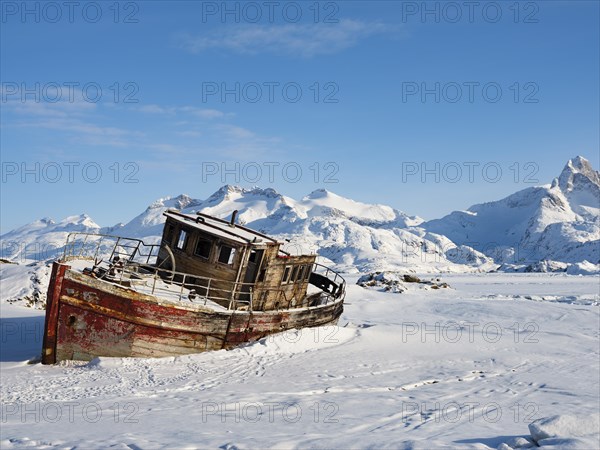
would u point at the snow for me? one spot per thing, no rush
(25, 283)
(468, 367)
(322, 199)
(506, 357)
(566, 430)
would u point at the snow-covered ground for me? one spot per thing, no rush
(470, 366)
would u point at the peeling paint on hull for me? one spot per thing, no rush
(87, 317)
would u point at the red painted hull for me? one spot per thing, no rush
(87, 317)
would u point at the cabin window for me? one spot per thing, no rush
(252, 257)
(294, 273)
(307, 273)
(226, 254)
(169, 234)
(203, 248)
(182, 239)
(286, 274)
(300, 276)
(261, 275)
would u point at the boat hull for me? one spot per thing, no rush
(87, 318)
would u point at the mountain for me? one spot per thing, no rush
(556, 223)
(349, 234)
(546, 228)
(44, 238)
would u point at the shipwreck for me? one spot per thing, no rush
(208, 284)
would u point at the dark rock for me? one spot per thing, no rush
(411, 279)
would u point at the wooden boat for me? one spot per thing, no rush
(209, 284)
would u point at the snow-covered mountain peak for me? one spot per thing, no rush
(180, 202)
(318, 193)
(183, 201)
(322, 201)
(43, 238)
(580, 184)
(226, 192)
(578, 171)
(75, 222)
(267, 192)
(582, 165)
(229, 191)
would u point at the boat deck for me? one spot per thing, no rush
(152, 285)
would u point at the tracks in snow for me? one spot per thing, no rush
(141, 377)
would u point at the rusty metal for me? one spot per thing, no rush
(52, 308)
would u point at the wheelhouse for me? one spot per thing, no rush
(228, 254)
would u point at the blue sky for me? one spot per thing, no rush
(506, 93)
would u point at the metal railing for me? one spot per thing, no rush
(106, 247)
(181, 286)
(337, 280)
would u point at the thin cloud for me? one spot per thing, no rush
(189, 134)
(235, 132)
(204, 113)
(85, 132)
(155, 109)
(84, 124)
(45, 109)
(306, 40)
